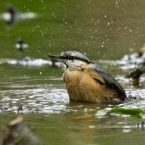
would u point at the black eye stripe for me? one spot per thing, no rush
(74, 57)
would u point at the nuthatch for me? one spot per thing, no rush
(88, 82)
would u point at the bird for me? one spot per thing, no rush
(20, 108)
(86, 81)
(135, 76)
(141, 125)
(20, 45)
(12, 15)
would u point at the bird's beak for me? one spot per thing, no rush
(55, 57)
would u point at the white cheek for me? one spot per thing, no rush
(62, 65)
(75, 63)
(72, 65)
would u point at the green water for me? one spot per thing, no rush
(104, 30)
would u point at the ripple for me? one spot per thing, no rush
(35, 100)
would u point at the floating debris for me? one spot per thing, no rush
(136, 112)
(125, 112)
(18, 132)
(101, 113)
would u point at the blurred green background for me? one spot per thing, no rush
(101, 29)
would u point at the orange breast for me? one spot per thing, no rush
(82, 87)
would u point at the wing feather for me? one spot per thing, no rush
(108, 80)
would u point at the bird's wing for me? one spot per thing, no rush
(108, 80)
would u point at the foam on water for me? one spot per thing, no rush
(34, 100)
(27, 61)
(131, 61)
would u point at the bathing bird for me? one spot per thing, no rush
(86, 81)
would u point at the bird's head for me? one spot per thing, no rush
(71, 60)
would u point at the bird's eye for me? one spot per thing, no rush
(71, 57)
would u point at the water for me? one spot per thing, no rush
(105, 31)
